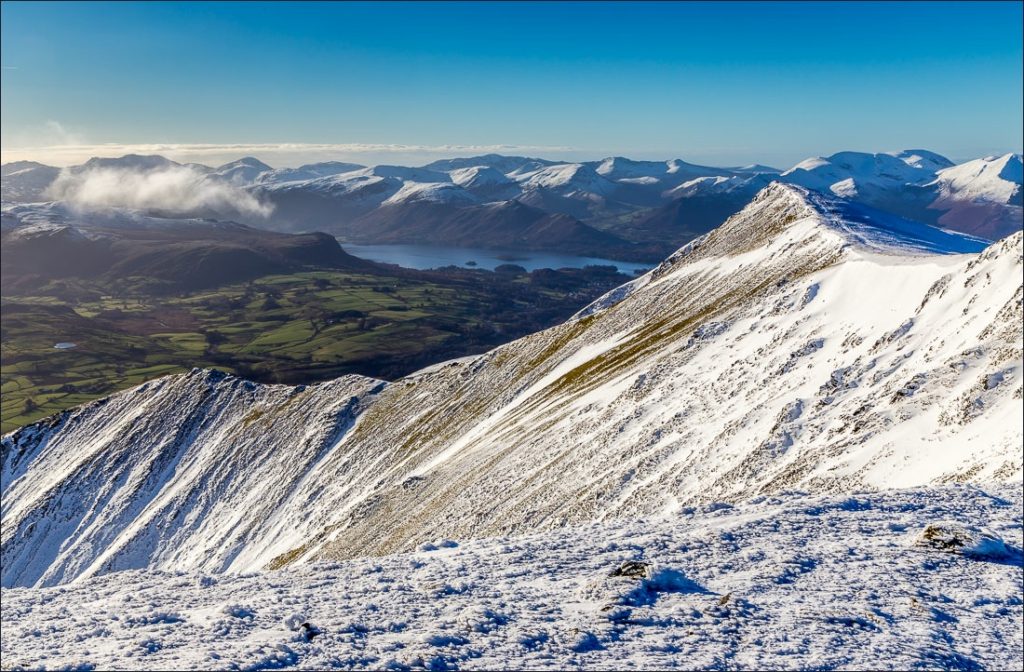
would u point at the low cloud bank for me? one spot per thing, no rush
(181, 190)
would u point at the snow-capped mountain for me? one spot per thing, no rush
(657, 205)
(848, 173)
(981, 196)
(26, 181)
(137, 162)
(242, 172)
(662, 174)
(432, 192)
(995, 179)
(309, 171)
(486, 182)
(806, 343)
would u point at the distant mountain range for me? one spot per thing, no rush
(615, 207)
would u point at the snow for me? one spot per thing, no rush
(790, 580)
(358, 183)
(922, 158)
(842, 172)
(877, 230)
(992, 179)
(619, 167)
(442, 192)
(310, 171)
(566, 178)
(28, 219)
(246, 170)
(479, 176)
(408, 174)
(719, 185)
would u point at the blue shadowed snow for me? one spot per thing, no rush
(873, 228)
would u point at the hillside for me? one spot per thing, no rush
(48, 242)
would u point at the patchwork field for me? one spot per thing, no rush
(293, 328)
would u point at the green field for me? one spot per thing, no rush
(296, 328)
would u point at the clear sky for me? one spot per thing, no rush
(717, 83)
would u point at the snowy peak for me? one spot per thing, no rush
(241, 172)
(801, 215)
(310, 171)
(431, 192)
(566, 178)
(923, 159)
(405, 173)
(756, 168)
(26, 181)
(845, 173)
(619, 167)
(16, 167)
(995, 179)
(138, 162)
(479, 176)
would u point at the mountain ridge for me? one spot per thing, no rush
(742, 365)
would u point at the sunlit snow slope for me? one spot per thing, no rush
(804, 343)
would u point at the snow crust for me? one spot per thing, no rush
(790, 581)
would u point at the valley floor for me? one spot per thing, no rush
(790, 581)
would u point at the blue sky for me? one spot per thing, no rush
(718, 83)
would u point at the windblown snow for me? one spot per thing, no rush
(791, 581)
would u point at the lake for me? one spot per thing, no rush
(435, 256)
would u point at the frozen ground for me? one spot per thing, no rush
(788, 581)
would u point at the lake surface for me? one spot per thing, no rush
(435, 256)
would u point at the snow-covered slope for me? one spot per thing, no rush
(431, 192)
(983, 196)
(566, 179)
(782, 582)
(994, 179)
(805, 343)
(26, 181)
(310, 171)
(664, 174)
(190, 457)
(845, 173)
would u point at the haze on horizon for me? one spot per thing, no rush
(406, 84)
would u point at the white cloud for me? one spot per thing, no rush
(173, 189)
